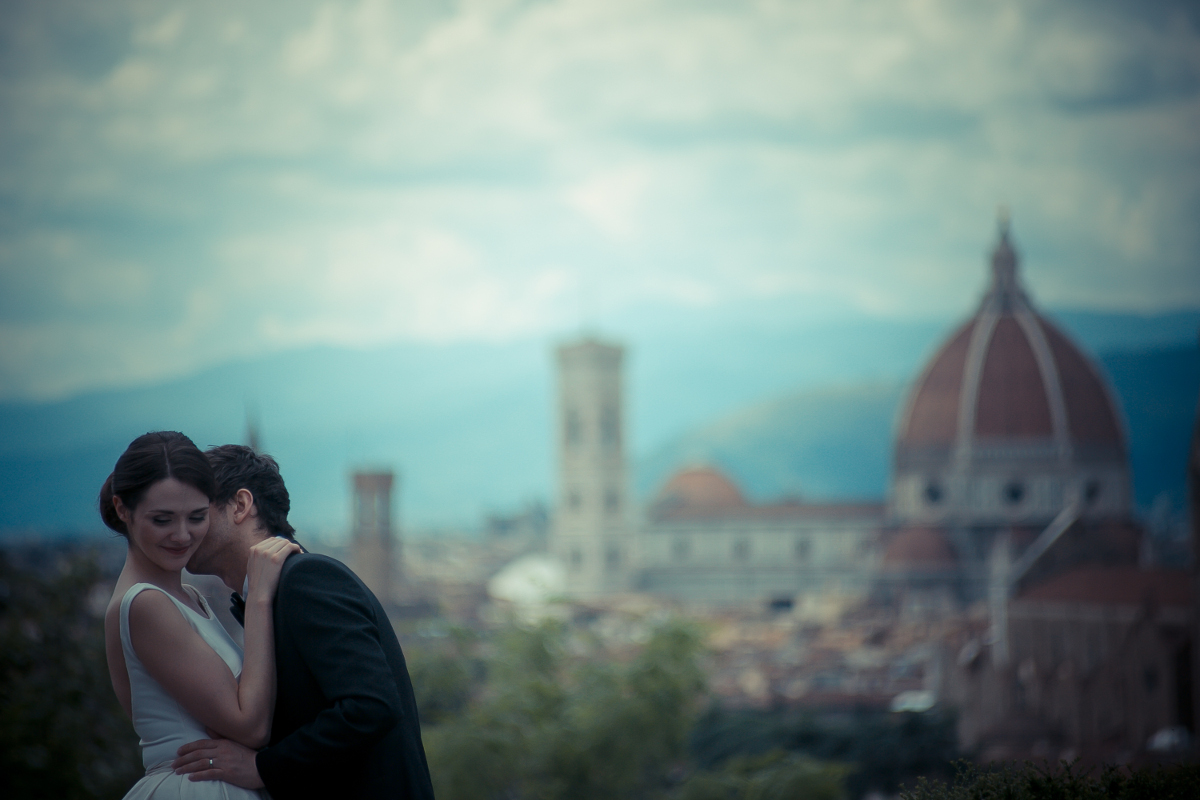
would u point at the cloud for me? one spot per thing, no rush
(610, 201)
(264, 176)
(383, 282)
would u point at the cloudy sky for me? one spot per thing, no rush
(185, 184)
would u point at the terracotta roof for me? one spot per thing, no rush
(700, 487)
(1001, 374)
(1012, 400)
(1101, 585)
(1090, 412)
(933, 413)
(918, 547)
(706, 493)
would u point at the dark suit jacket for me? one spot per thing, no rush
(345, 720)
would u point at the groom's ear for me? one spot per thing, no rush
(243, 506)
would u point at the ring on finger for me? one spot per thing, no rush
(210, 762)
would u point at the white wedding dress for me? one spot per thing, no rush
(163, 724)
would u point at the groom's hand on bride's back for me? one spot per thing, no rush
(218, 760)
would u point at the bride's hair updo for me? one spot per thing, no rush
(149, 459)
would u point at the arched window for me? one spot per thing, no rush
(802, 549)
(573, 427)
(681, 548)
(741, 549)
(610, 427)
(612, 559)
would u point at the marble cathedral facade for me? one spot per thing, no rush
(1009, 439)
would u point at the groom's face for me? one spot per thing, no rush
(220, 534)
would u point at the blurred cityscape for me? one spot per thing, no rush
(1006, 576)
(1006, 586)
(641, 358)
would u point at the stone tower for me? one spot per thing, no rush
(591, 534)
(374, 549)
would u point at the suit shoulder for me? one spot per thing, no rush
(312, 562)
(312, 570)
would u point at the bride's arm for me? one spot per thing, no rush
(192, 672)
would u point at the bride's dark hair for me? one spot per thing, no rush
(150, 458)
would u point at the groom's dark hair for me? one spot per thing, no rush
(239, 467)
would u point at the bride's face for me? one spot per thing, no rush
(168, 524)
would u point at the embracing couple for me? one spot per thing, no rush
(319, 703)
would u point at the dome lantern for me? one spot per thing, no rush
(1005, 289)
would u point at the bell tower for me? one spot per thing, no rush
(372, 544)
(591, 533)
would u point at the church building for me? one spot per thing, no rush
(1009, 455)
(1010, 437)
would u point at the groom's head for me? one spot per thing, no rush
(250, 504)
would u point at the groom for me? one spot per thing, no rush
(345, 721)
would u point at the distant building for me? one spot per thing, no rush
(528, 526)
(1011, 484)
(1008, 429)
(374, 551)
(1010, 457)
(591, 532)
(700, 540)
(1098, 665)
(1008, 526)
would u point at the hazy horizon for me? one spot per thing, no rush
(806, 410)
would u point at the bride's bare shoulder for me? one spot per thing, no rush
(153, 607)
(150, 611)
(112, 612)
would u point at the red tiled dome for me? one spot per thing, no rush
(919, 547)
(1010, 375)
(699, 488)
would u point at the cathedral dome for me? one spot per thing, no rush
(1009, 375)
(1009, 422)
(698, 489)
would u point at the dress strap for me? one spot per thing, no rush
(126, 602)
(200, 600)
(134, 591)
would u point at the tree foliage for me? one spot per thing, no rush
(545, 725)
(776, 775)
(62, 732)
(883, 750)
(1066, 782)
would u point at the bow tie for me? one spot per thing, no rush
(237, 607)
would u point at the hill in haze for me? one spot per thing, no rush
(837, 442)
(833, 442)
(788, 407)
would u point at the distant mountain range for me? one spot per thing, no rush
(789, 407)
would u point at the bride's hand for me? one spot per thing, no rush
(266, 562)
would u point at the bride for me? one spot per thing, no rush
(174, 668)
